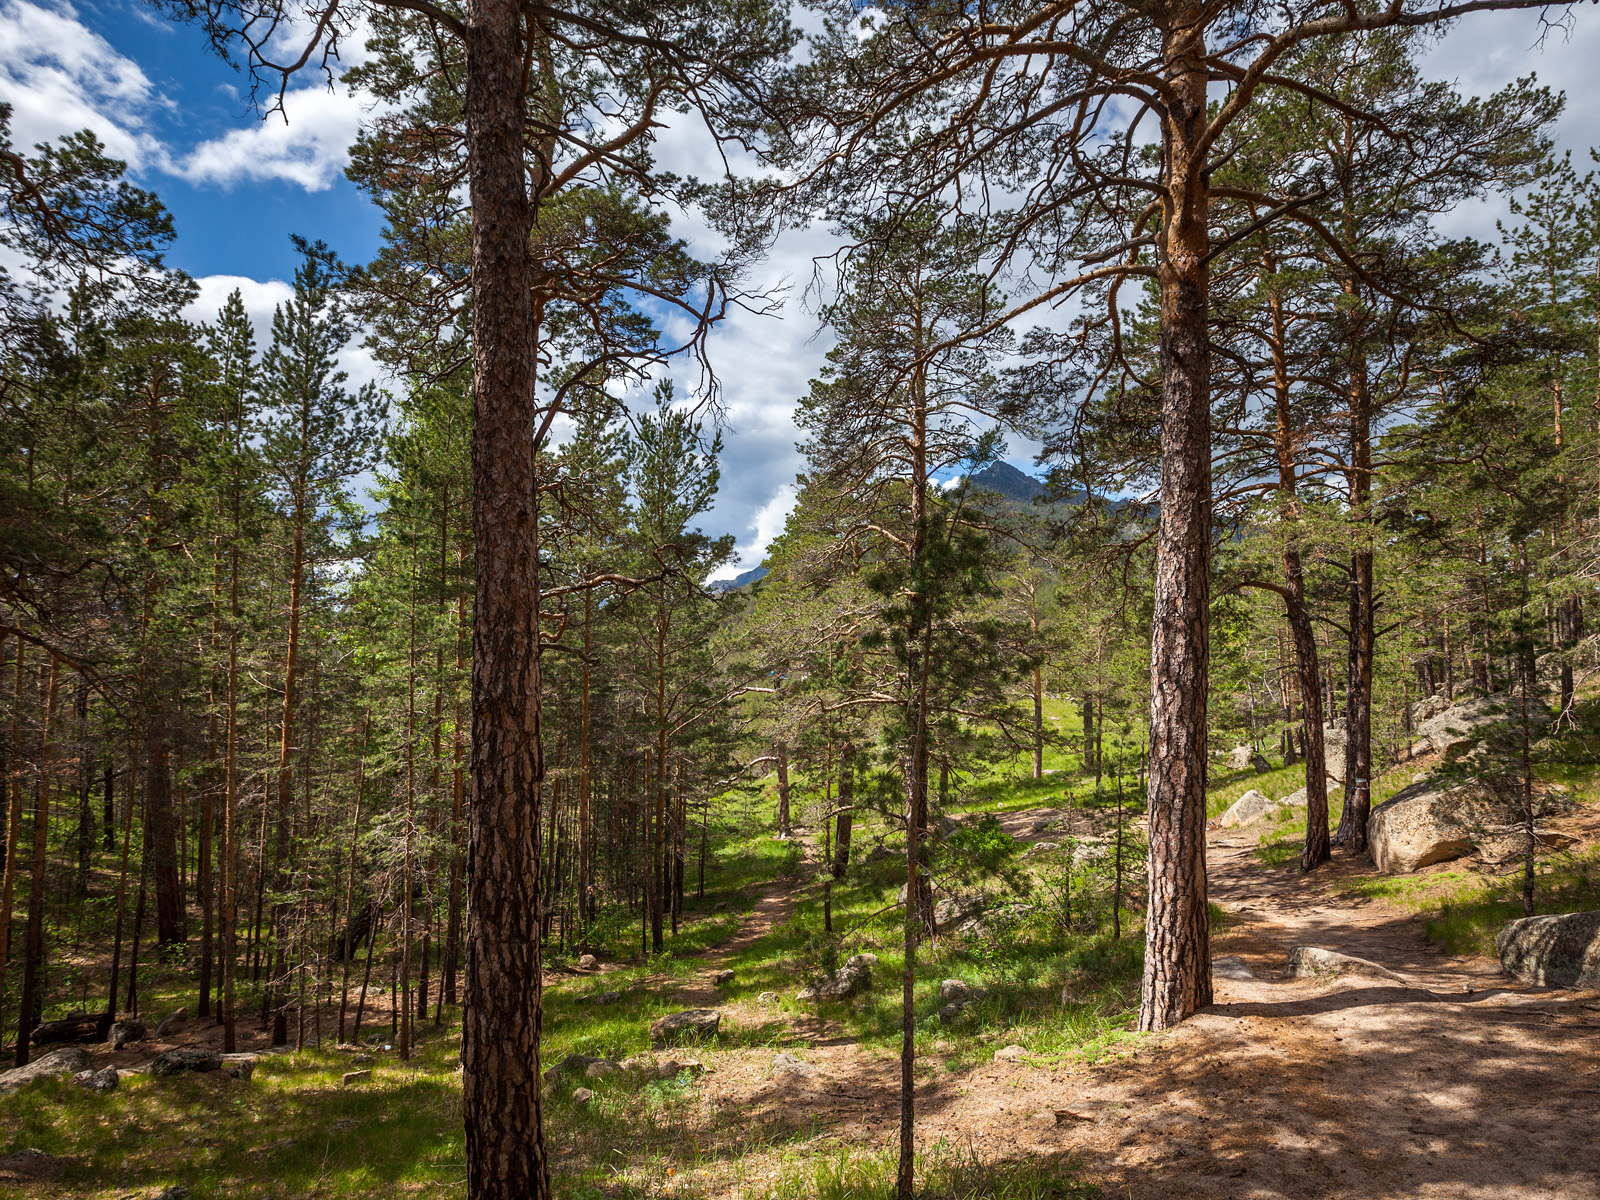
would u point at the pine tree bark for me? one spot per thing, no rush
(1177, 964)
(506, 1157)
(33, 952)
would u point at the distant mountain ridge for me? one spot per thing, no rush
(743, 579)
(1006, 480)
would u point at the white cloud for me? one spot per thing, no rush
(767, 524)
(308, 143)
(59, 77)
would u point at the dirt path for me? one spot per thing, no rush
(1457, 1085)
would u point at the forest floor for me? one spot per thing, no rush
(1451, 1083)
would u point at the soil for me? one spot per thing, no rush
(1458, 1084)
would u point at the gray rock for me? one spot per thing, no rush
(722, 978)
(129, 1029)
(1552, 951)
(955, 909)
(588, 962)
(176, 1192)
(1434, 821)
(1261, 765)
(1500, 849)
(788, 1066)
(1316, 962)
(849, 980)
(862, 960)
(175, 1062)
(1231, 966)
(572, 1064)
(639, 1064)
(104, 1080)
(767, 998)
(951, 1013)
(173, 1022)
(693, 1023)
(582, 1095)
(355, 1077)
(345, 1125)
(1428, 708)
(1251, 807)
(1040, 848)
(1454, 730)
(671, 1068)
(601, 1069)
(955, 989)
(1010, 1054)
(362, 1060)
(243, 1066)
(1239, 757)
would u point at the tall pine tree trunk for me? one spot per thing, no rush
(1177, 962)
(506, 1157)
(33, 952)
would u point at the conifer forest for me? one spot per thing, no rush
(1152, 751)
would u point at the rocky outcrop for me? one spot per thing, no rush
(173, 1022)
(1239, 757)
(1553, 951)
(175, 1062)
(104, 1080)
(129, 1029)
(680, 1026)
(1455, 729)
(57, 1062)
(1435, 821)
(1231, 966)
(1249, 808)
(1316, 962)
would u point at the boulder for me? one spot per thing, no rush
(362, 1060)
(1260, 763)
(173, 1022)
(767, 998)
(582, 1095)
(862, 960)
(692, 1023)
(356, 1077)
(104, 1080)
(956, 909)
(1010, 1054)
(1428, 708)
(1040, 848)
(1231, 966)
(1500, 849)
(588, 962)
(1249, 808)
(1434, 821)
(129, 1029)
(175, 1192)
(601, 1069)
(1316, 962)
(1239, 757)
(1454, 730)
(851, 979)
(1553, 951)
(58, 1062)
(722, 978)
(175, 1062)
(951, 1013)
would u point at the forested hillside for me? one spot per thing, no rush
(397, 794)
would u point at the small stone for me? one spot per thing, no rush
(588, 962)
(608, 997)
(582, 1095)
(345, 1124)
(722, 978)
(1010, 1054)
(356, 1077)
(767, 998)
(362, 1060)
(692, 1023)
(599, 1070)
(97, 1081)
(955, 989)
(1231, 966)
(241, 1066)
(950, 1013)
(667, 1068)
(790, 1066)
(173, 1022)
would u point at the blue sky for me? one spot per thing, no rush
(238, 186)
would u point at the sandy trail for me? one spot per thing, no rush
(1459, 1084)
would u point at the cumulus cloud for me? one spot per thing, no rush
(307, 144)
(59, 76)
